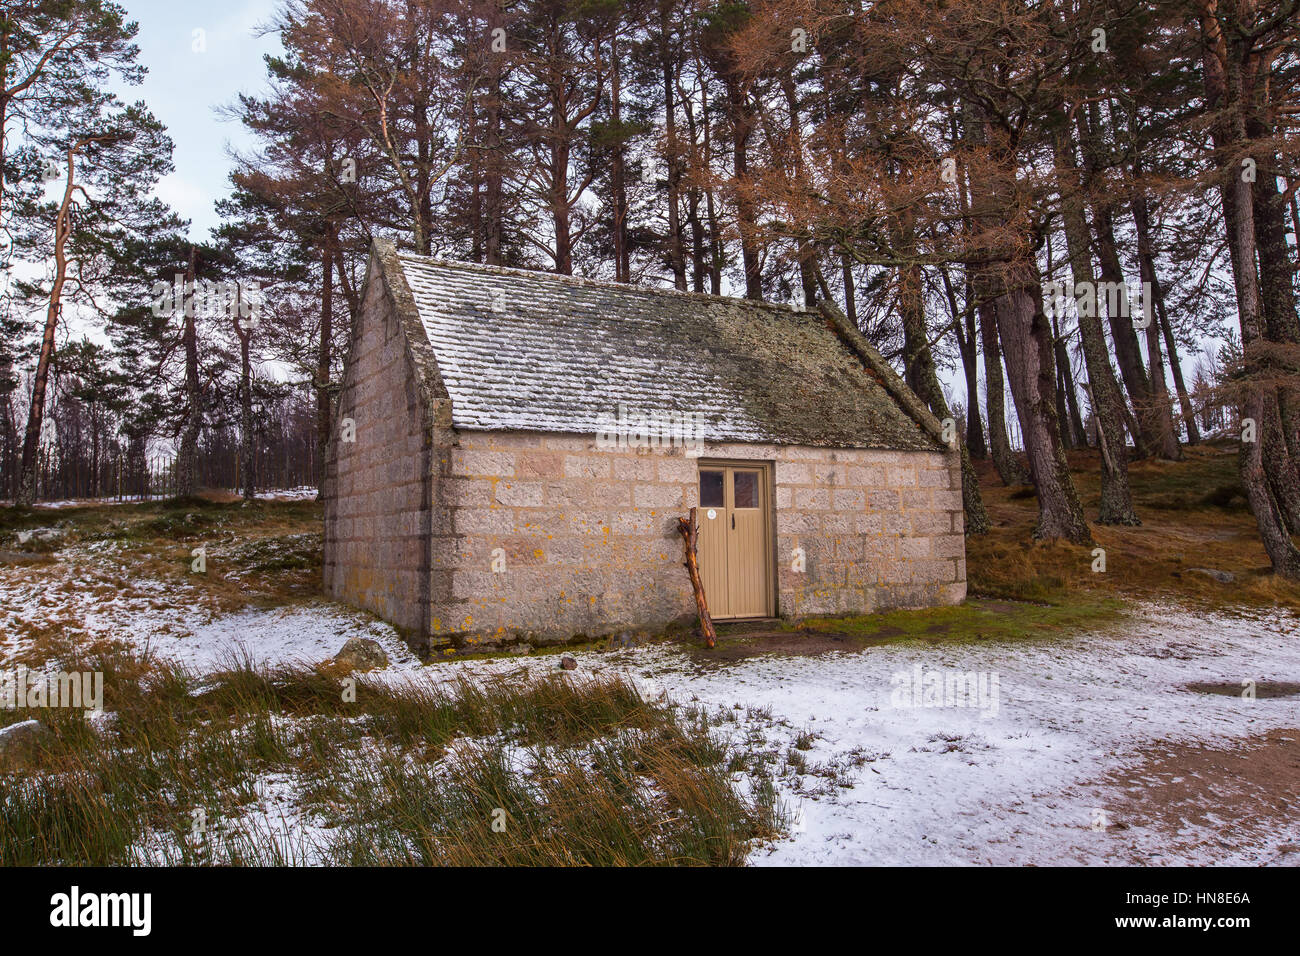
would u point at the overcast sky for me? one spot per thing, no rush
(185, 86)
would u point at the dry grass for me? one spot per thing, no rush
(575, 772)
(264, 554)
(1193, 516)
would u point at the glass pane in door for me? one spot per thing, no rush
(746, 489)
(712, 493)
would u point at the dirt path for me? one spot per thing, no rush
(1211, 802)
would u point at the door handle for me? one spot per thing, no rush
(733, 522)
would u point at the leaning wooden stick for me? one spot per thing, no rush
(689, 529)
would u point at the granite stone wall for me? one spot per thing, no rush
(377, 494)
(548, 537)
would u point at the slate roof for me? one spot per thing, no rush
(519, 350)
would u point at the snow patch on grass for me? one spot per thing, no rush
(948, 785)
(298, 634)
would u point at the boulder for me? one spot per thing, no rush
(21, 742)
(1223, 577)
(361, 654)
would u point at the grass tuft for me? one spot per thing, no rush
(275, 765)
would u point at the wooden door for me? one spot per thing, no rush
(735, 544)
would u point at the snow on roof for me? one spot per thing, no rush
(519, 350)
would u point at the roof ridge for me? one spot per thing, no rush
(603, 283)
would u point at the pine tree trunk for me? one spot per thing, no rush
(963, 323)
(1277, 295)
(8, 433)
(1071, 394)
(1226, 93)
(1161, 412)
(493, 163)
(1260, 405)
(1005, 462)
(850, 297)
(1104, 392)
(970, 367)
(1128, 353)
(1176, 367)
(742, 120)
(1160, 325)
(323, 410)
(560, 212)
(1278, 467)
(187, 459)
(28, 467)
(920, 375)
(1070, 436)
(622, 255)
(717, 254)
(807, 254)
(246, 412)
(1026, 339)
(699, 251)
(676, 251)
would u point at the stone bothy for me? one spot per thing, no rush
(512, 450)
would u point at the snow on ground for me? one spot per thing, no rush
(62, 503)
(275, 818)
(303, 634)
(87, 595)
(91, 599)
(954, 785)
(158, 618)
(1020, 779)
(301, 493)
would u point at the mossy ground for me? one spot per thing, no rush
(977, 619)
(1193, 515)
(260, 554)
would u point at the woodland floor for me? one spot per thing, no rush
(1122, 728)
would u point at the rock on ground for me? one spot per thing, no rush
(361, 654)
(21, 742)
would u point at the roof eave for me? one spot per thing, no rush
(893, 383)
(401, 300)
